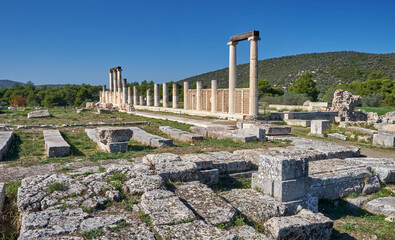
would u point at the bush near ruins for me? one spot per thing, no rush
(305, 85)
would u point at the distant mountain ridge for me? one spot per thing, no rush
(9, 83)
(329, 68)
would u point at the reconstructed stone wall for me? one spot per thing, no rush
(241, 100)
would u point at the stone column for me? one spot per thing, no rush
(156, 95)
(124, 96)
(130, 95)
(119, 86)
(176, 98)
(149, 97)
(186, 88)
(232, 75)
(111, 87)
(214, 87)
(103, 94)
(199, 95)
(253, 101)
(135, 95)
(165, 95)
(114, 93)
(141, 100)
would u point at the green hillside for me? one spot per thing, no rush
(328, 68)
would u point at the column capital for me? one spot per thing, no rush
(254, 38)
(233, 43)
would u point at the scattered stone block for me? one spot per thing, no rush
(364, 138)
(362, 130)
(384, 140)
(206, 203)
(2, 196)
(143, 183)
(298, 122)
(150, 139)
(209, 177)
(90, 105)
(275, 130)
(383, 168)
(384, 205)
(202, 161)
(80, 110)
(302, 226)
(318, 127)
(194, 230)
(165, 208)
(5, 143)
(38, 114)
(356, 203)
(255, 205)
(249, 233)
(113, 134)
(91, 134)
(337, 136)
(104, 110)
(171, 167)
(335, 178)
(180, 135)
(227, 162)
(99, 222)
(199, 130)
(55, 145)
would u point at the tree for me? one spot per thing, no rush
(82, 95)
(306, 85)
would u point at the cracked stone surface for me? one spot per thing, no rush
(212, 208)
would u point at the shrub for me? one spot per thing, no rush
(56, 187)
(371, 100)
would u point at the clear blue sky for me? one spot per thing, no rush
(77, 41)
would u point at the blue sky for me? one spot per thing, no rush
(78, 41)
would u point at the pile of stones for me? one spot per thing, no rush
(344, 103)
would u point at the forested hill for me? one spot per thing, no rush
(9, 83)
(328, 68)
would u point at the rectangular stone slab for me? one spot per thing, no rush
(301, 226)
(5, 143)
(55, 145)
(384, 140)
(212, 208)
(180, 135)
(113, 134)
(244, 36)
(150, 139)
(165, 208)
(38, 114)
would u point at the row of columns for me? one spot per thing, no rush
(156, 102)
(118, 94)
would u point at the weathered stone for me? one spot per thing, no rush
(209, 177)
(90, 105)
(384, 168)
(337, 136)
(2, 196)
(249, 233)
(143, 183)
(202, 161)
(362, 130)
(301, 226)
(107, 135)
(283, 167)
(344, 103)
(5, 143)
(335, 178)
(227, 162)
(199, 130)
(270, 129)
(356, 203)
(171, 167)
(38, 114)
(383, 205)
(165, 208)
(180, 135)
(51, 222)
(150, 139)
(384, 140)
(206, 203)
(94, 202)
(253, 204)
(114, 147)
(197, 229)
(364, 138)
(318, 127)
(55, 145)
(99, 222)
(104, 110)
(298, 122)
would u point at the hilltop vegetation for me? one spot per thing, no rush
(328, 69)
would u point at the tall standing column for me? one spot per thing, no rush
(156, 95)
(141, 100)
(119, 85)
(199, 95)
(232, 75)
(253, 101)
(214, 87)
(149, 97)
(103, 94)
(114, 94)
(165, 95)
(111, 87)
(130, 95)
(186, 88)
(176, 98)
(124, 96)
(135, 95)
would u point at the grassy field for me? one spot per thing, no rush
(379, 110)
(28, 146)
